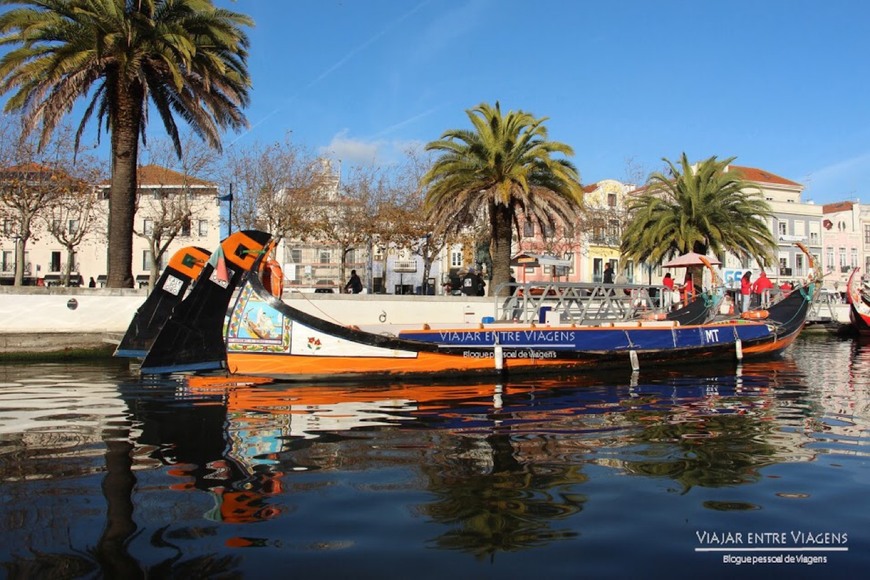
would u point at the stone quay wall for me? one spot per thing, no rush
(40, 320)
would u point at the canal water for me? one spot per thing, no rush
(757, 470)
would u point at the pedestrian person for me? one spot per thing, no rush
(608, 274)
(762, 288)
(471, 283)
(745, 290)
(354, 284)
(688, 289)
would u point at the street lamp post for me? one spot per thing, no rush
(228, 198)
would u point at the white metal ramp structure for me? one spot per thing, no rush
(581, 303)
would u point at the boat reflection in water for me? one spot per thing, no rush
(361, 475)
(503, 462)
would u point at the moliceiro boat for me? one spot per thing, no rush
(263, 337)
(858, 297)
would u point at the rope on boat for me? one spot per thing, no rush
(313, 305)
(806, 293)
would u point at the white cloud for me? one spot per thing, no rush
(839, 181)
(352, 150)
(366, 152)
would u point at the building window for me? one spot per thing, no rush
(800, 228)
(611, 200)
(202, 228)
(73, 227)
(296, 256)
(549, 231)
(597, 231)
(350, 257)
(867, 235)
(455, 258)
(185, 228)
(528, 229)
(146, 260)
(829, 257)
(783, 228)
(854, 261)
(147, 227)
(54, 263)
(842, 257)
(798, 265)
(324, 256)
(8, 263)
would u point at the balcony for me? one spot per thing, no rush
(785, 271)
(405, 266)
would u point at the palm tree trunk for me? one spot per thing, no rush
(122, 198)
(500, 249)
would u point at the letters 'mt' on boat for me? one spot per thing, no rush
(263, 336)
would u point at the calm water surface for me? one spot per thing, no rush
(105, 474)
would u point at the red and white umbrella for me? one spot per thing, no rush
(690, 259)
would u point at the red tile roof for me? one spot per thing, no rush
(155, 175)
(838, 206)
(762, 176)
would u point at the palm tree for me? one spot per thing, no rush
(503, 167)
(699, 209)
(184, 57)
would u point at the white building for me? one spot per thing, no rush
(45, 257)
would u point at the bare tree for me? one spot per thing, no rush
(32, 180)
(351, 217)
(404, 213)
(74, 216)
(175, 197)
(274, 187)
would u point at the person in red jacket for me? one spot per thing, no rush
(745, 291)
(688, 289)
(762, 287)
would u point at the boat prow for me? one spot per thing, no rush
(859, 303)
(170, 289)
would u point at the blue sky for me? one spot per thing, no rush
(780, 84)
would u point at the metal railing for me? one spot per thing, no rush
(581, 303)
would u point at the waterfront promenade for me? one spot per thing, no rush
(45, 320)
